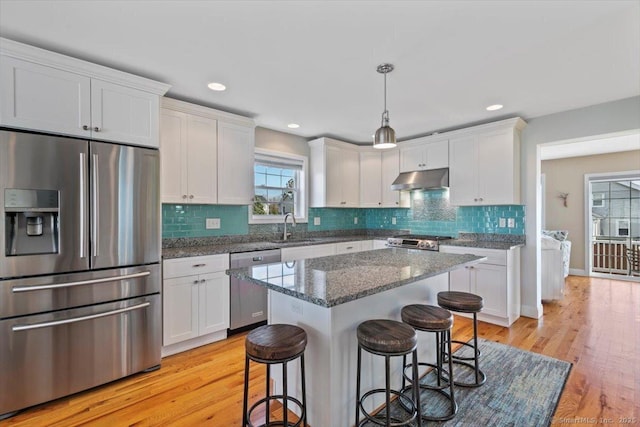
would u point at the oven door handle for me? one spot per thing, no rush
(17, 289)
(17, 328)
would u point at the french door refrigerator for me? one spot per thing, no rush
(79, 267)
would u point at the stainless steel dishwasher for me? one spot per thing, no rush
(248, 301)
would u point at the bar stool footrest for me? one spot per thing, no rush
(428, 386)
(453, 411)
(380, 419)
(454, 357)
(278, 423)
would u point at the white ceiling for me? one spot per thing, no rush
(313, 62)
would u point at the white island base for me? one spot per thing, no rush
(331, 354)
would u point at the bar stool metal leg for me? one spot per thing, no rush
(246, 391)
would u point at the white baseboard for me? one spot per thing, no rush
(532, 312)
(577, 272)
(193, 343)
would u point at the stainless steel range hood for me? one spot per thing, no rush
(433, 179)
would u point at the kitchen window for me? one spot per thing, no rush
(279, 187)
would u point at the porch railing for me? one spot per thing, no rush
(610, 256)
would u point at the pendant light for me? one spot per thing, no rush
(385, 137)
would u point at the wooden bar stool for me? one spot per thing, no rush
(429, 318)
(387, 338)
(465, 302)
(275, 344)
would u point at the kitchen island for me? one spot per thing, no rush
(329, 297)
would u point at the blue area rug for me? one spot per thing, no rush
(522, 389)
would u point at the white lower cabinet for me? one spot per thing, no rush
(496, 280)
(303, 252)
(195, 302)
(316, 251)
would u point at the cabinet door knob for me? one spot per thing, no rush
(96, 129)
(195, 282)
(191, 196)
(85, 127)
(475, 200)
(379, 203)
(184, 196)
(202, 281)
(481, 199)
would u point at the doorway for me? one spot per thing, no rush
(613, 222)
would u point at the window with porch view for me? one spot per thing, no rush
(278, 187)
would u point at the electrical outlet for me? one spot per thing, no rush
(316, 220)
(212, 223)
(355, 219)
(393, 220)
(511, 222)
(502, 222)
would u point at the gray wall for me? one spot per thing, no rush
(280, 141)
(584, 123)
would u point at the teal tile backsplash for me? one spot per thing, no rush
(430, 213)
(189, 220)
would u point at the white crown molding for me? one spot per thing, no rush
(199, 110)
(66, 63)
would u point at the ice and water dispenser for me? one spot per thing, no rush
(31, 221)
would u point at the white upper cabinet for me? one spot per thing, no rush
(335, 174)
(378, 170)
(49, 92)
(485, 164)
(235, 163)
(424, 153)
(123, 114)
(188, 153)
(206, 155)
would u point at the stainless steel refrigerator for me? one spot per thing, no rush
(79, 268)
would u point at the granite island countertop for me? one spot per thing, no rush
(337, 279)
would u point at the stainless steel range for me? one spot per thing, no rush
(414, 241)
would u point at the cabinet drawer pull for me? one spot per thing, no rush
(199, 265)
(349, 247)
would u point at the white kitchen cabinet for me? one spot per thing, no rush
(188, 148)
(379, 244)
(378, 170)
(235, 163)
(195, 299)
(334, 174)
(206, 156)
(485, 164)
(424, 153)
(349, 247)
(48, 92)
(496, 280)
(303, 252)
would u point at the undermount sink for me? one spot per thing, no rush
(294, 240)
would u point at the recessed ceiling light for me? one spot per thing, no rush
(494, 107)
(216, 86)
(293, 126)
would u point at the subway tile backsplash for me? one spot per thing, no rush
(430, 213)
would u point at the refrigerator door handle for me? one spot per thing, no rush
(95, 216)
(18, 289)
(83, 203)
(17, 328)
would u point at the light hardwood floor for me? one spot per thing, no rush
(596, 327)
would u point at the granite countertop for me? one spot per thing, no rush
(259, 245)
(482, 244)
(338, 279)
